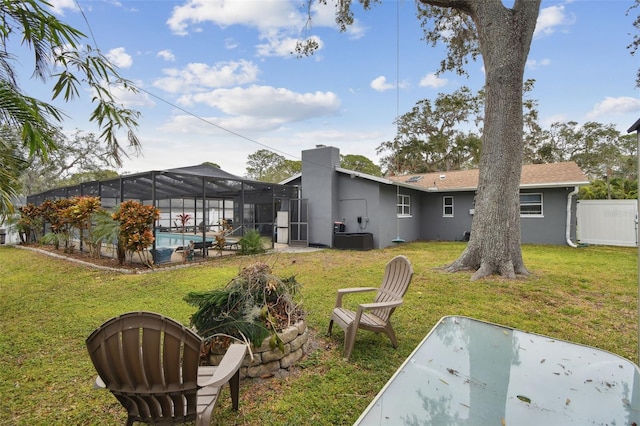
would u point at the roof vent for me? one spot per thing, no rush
(442, 177)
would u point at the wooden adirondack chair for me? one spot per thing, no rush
(374, 316)
(150, 363)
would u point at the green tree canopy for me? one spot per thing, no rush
(62, 56)
(610, 189)
(76, 159)
(211, 164)
(360, 163)
(430, 136)
(599, 149)
(267, 166)
(12, 165)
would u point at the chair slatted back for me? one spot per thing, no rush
(150, 364)
(397, 277)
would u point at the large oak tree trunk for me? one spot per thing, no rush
(504, 37)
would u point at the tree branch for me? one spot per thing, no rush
(461, 5)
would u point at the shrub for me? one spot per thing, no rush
(251, 243)
(107, 230)
(30, 223)
(52, 213)
(80, 214)
(136, 223)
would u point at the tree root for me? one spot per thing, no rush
(486, 270)
(481, 267)
(507, 270)
(457, 267)
(521, 270)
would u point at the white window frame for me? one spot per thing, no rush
(446, 198)
(403, 205)
(532, 203)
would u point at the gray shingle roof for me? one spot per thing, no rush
(533, 175)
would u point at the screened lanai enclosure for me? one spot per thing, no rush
(210, 196)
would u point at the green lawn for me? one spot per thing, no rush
(49, 306)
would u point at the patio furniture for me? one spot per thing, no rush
(161, 255)
(230, 243)
(197, 245)
(149, 362)
(472, 372)
(374, 316)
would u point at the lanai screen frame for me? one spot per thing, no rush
(202, 184)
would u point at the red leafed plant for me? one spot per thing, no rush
(136, 223)
(79, 215)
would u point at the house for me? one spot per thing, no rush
(433, 206)
(326, 205)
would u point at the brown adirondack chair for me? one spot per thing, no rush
(149, 362)
(374, 316)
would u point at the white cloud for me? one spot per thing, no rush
(264, 14)
(279, 22)
(535, 64)
(167, 55)
(337, 136)
(126, 97)
(324, 15)
(199, 77)
(171, 149)
(254, 110)
(120, 57)
(265, 103)
(230, 43)
(282, 46)
(615, 106)
(432, 80)
(131, 100)
(59, 6)
(550, 18)
(360, 142)
(245, 125)
(380, 84)
(356, 31)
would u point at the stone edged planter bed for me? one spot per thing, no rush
(267, 361)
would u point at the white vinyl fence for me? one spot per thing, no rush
(607, 222)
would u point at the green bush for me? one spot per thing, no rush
(251, 243)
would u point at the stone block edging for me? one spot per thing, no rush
(267, 361)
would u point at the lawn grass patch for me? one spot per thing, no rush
(49, 306)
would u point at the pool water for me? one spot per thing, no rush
(173, 240)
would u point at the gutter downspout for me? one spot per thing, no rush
(568, 227)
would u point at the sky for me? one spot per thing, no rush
(219, 82)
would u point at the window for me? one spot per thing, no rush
(530, 204)
(404, 205)
(447, 206)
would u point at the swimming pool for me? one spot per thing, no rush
(173, 240)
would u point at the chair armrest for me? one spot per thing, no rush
(356, 289)
(230, 363)
(343, 291)
(376, 305)
(379, 305)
